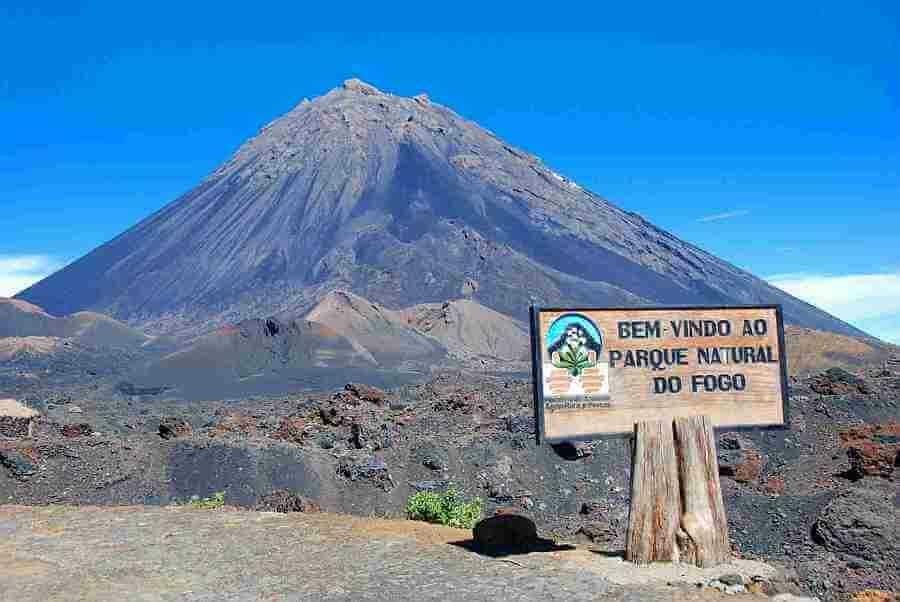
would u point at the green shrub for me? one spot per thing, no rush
(217, 500)
(446, 508)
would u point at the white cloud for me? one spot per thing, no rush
(726, 215)
(886, 329)
(869, 301)
(18, 272)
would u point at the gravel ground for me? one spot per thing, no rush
(135, 553)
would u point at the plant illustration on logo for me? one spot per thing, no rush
(574, 344)
(573, 353)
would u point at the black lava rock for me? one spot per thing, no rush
(284, 501)
(505, 532)
(862, 523)
(17, 464)
(172, 428)
(520, 424)
(431, 456)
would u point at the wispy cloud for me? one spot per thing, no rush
(868, 301)
(715, 217)
(18, 272)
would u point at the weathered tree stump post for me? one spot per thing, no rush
(677, 512)
(655, 498)
(703, 535)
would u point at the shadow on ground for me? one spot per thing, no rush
(540, 545)
(608, 553)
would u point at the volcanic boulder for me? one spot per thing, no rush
(738, 459)
(17, 463)
(173, 428)
(16, 420)
(504, 532)
(284, 501)
(366, 393)
(837, 381)
(873, 450)
(76, 430)
(862, 523)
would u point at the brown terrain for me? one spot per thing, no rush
(809, 350)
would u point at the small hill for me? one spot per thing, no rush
(91, 328)
(255, 345)
(21, 319)
(345, 337)
(381, 331)
(471, 330)
(259, 357)
(462, 329)
(15, 347)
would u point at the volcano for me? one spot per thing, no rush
(402, 202)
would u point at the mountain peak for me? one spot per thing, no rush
(400, 201)
(358, 85)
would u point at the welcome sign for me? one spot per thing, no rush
(597, 371)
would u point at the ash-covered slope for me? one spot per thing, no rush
(345, 337)
(401, 201)
(258, 357)
(471, 330)
(379, 330)
(428, 333)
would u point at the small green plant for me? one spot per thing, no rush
(447, 508)
(216, 500)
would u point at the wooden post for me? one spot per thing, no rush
(677, 512)
(655, 498)
(703, 535)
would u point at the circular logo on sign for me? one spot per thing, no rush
(574, 343)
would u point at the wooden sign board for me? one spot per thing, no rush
(599, 371)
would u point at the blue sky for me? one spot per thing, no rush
(767, 134)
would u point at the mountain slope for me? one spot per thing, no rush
(401, 201)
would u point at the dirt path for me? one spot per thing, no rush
(139, 553)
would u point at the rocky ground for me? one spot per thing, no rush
(820, 499)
